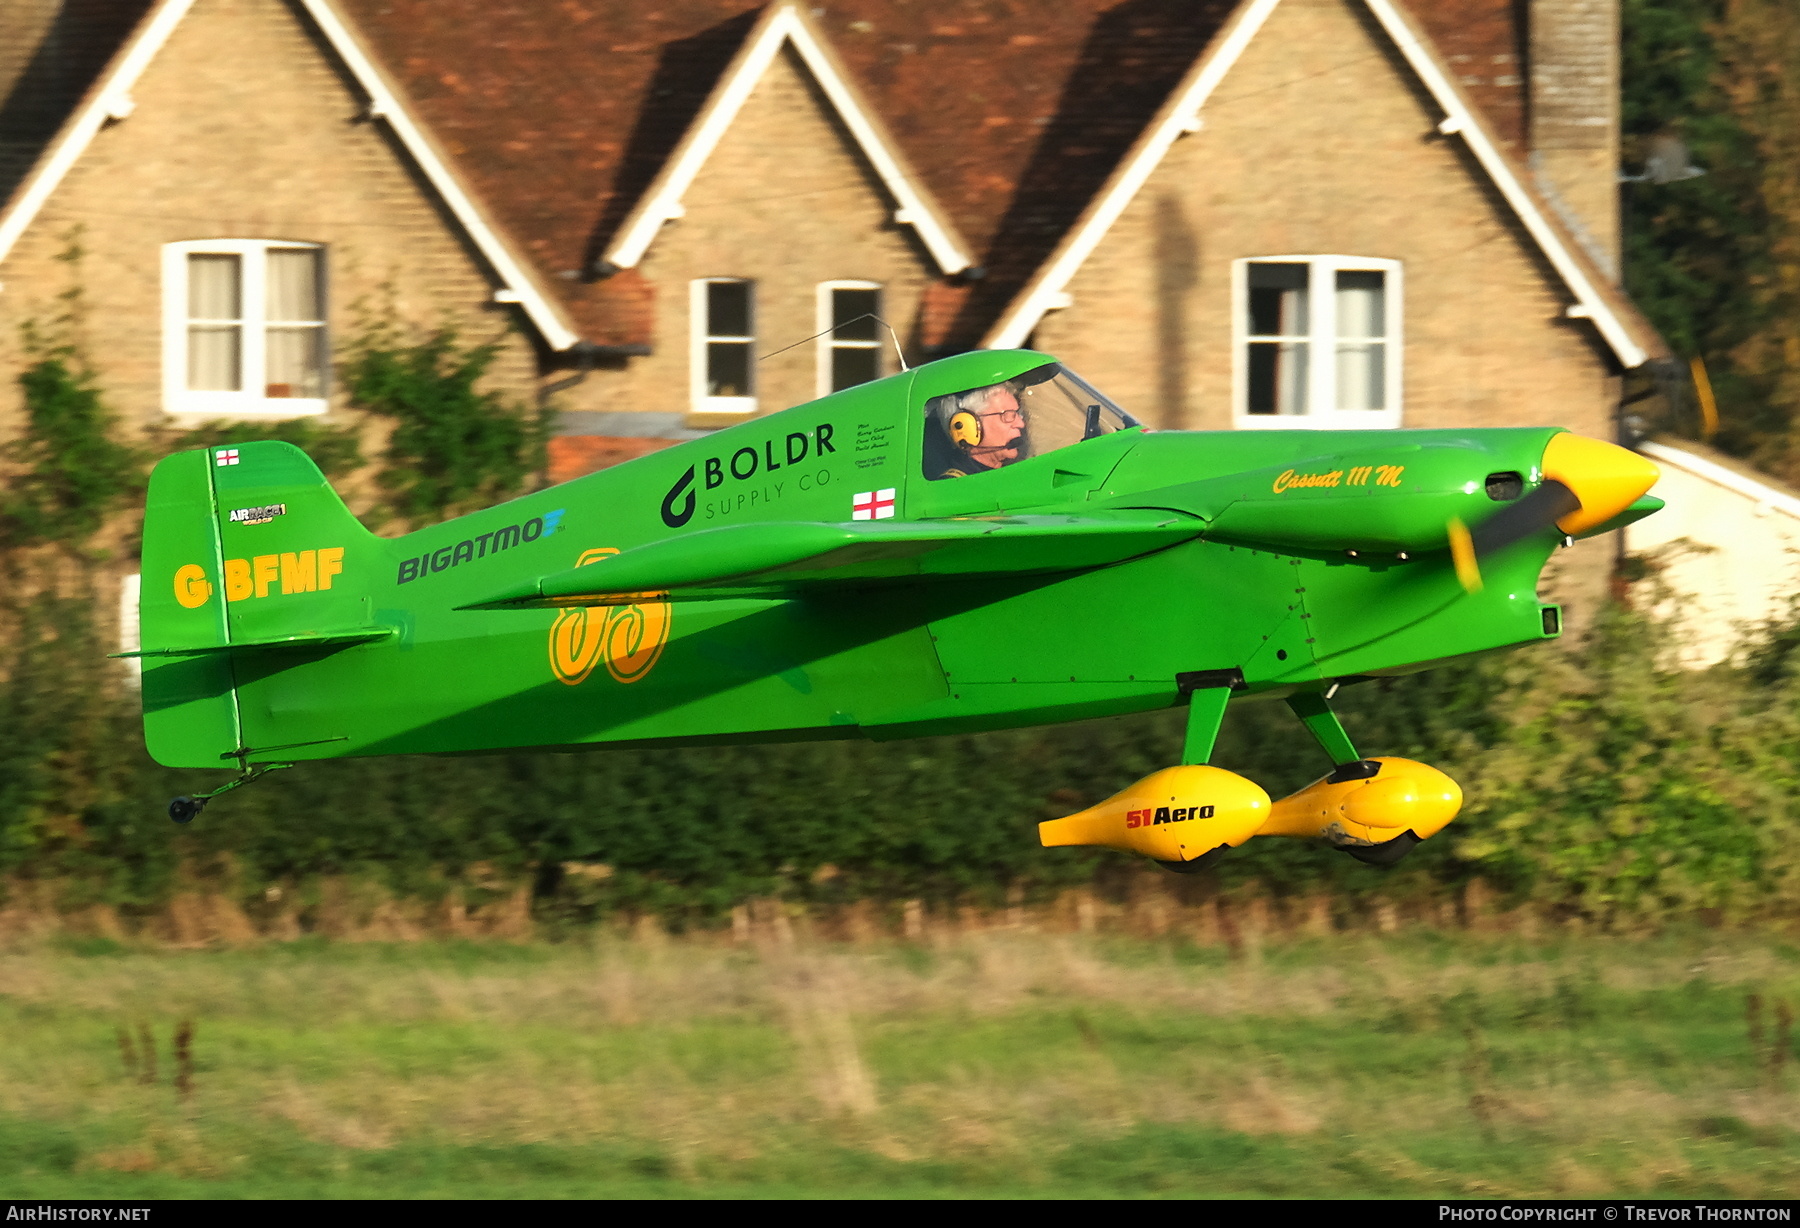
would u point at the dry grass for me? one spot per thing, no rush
(1006, 1061)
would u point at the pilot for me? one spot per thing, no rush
(985, 428)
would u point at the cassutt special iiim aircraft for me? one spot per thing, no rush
(981, 543)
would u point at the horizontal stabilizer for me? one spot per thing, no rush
(771, 559)
(300, 639)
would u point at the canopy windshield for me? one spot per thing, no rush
(995, 425)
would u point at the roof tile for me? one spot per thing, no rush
(46, 66)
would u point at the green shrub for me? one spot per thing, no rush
(1697, 251)
(68, 473)
(1625, 788)
(71, 474)
(76, 787)
(454, 448)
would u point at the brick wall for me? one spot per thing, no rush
(243, 128)
(571, 456)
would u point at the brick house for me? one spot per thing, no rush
(1250, 214)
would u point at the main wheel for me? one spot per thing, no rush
(1387, 853)
(1203, 862)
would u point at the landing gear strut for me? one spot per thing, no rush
(1373, 846)
(186, 809)
(1188, 817)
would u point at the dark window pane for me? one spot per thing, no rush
(1277, 378)
(1278, 300)
(846, 306)
(1262, 379)
(850, 367)
(1272, 275)
(728, 308)
(727, 369)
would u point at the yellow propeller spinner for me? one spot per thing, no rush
(1601, 480)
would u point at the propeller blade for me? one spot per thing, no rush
(1462, 553)
(1525, 517)
(1515, 522)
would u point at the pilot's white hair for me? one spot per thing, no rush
(976, 399)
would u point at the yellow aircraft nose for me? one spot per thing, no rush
(1605, 477)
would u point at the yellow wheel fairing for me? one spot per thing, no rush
(1177, 814)
(1405, 796)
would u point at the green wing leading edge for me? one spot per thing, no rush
(981, 543)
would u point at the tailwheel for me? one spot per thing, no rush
(186, 809)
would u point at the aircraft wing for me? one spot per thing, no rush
(772, 559)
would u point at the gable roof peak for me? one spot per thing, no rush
(109, 99)
(784, 24)
(1625, 332)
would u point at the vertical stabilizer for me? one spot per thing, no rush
(243, 545)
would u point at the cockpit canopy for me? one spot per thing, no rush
(996, 425)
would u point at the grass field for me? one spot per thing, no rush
(1004, 1064)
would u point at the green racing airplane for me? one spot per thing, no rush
(983, 542)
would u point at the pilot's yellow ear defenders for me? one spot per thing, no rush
(965, 428)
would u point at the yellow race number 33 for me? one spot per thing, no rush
(628, 638)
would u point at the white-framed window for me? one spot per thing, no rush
(849, 343)
(723, 310)
(244, 328)
(1317, 341)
